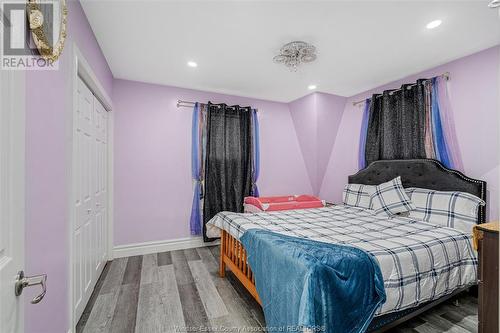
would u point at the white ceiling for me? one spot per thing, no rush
(360, 44)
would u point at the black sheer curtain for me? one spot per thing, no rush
(228, 162)
(396, 124)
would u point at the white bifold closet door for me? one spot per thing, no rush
(90, 130)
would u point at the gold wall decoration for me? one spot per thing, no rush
(40, 28)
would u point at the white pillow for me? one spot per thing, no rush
(390, 198)
(457, 210)
(357, 195)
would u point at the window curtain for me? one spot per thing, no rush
(362, 136)
(228, 175)
(256, 153)
(197, 152)
(446, 146)
(414, 121)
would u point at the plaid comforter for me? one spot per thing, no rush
(419, 261)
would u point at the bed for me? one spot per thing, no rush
(403, 246)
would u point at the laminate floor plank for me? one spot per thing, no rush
(181, 291)
(427, 328)
(182, 272)
(415, 322)
(215, 251)
(132, 273)
(249, 301)
(149, 270)
(124, 317)
(208, 260)
(170, 309)
(114, 277)
(93, 298)
(192, 307)
(148, 310)
(164, 258)
(240, 315)
(214, 306)
(191, 254)
(404, 330)
(443, 324)
(457, 316)
(102, 313)
(471, 300)
(467, 304)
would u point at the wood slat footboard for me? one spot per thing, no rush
(234, 256)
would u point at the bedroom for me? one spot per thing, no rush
(130, 145)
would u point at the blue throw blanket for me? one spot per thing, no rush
(304, 283)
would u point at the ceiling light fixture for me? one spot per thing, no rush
(494, 4)
(311, 87)
(295, 53)
(433, 24)
(192, 64)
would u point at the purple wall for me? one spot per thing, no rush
(316, 118)
(153, 187)
(474, 94)
(330, 110)
(304, 115)
(47, 163)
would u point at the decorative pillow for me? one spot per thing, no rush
(358, 195)
(457, 210)
(390, 198)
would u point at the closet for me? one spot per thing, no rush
(89, 204)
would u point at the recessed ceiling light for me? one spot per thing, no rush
(311, 87)
(434, 24)
(192, 64)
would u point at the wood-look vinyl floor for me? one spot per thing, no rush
(180, 291)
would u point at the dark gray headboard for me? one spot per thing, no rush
(423, 173)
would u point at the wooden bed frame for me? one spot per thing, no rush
(233, 254)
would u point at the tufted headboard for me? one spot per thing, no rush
(423, 173)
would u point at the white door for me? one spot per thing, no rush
(89, 192)
(11, 198)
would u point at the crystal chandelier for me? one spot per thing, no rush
(494, 4)
(295, 53)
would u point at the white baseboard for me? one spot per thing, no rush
(137, 249)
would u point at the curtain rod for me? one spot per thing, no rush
(445, 75)
(189, 104)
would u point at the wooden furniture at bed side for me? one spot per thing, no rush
(487, 242)
(234, 256)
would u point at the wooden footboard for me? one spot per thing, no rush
(233, 254)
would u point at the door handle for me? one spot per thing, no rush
(30, 281)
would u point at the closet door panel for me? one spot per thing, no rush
(78, 269)
(83, 154)
(83, 133)
(100, 193)
(87, 250)
(89, 189)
